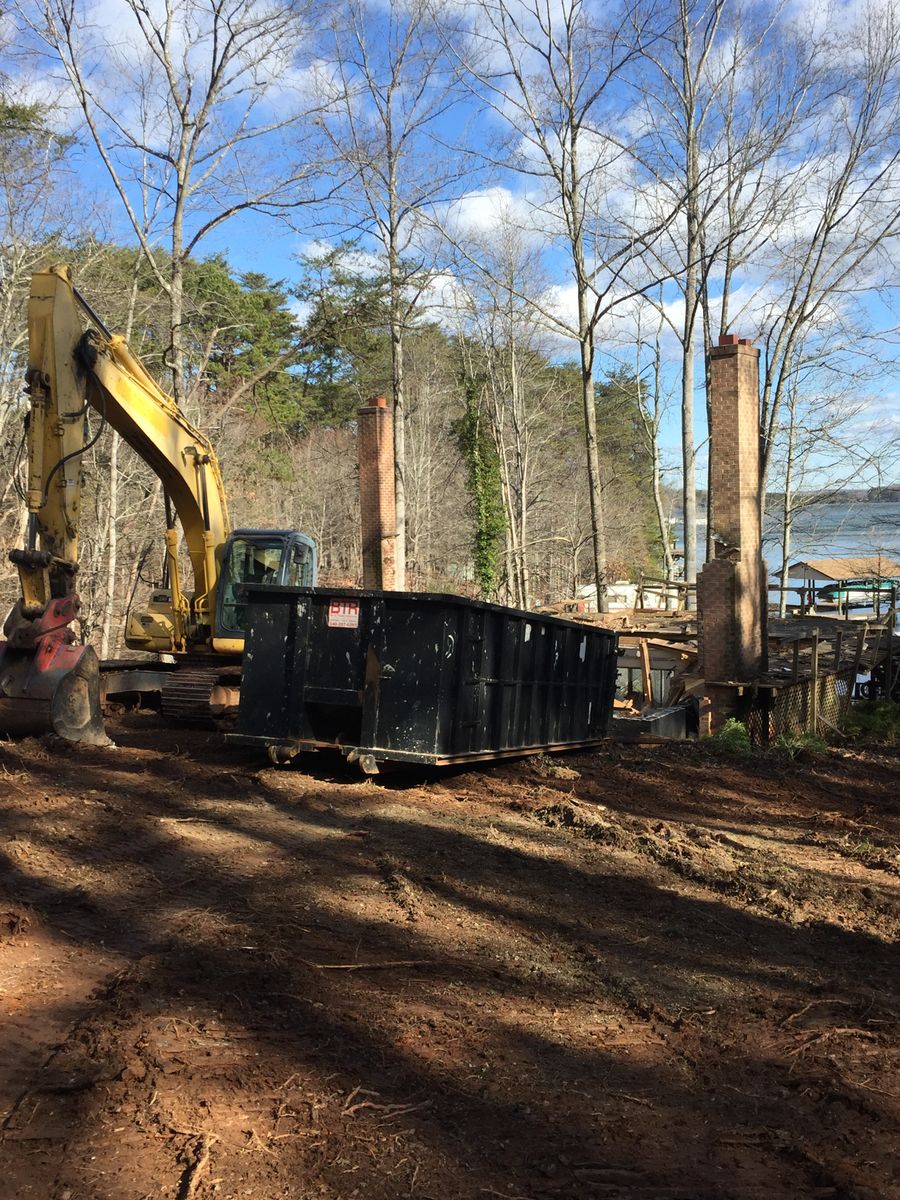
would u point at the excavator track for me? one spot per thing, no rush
(201, 695)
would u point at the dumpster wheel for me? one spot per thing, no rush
(282, 754)
(367, 763)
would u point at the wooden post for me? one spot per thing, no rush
(795, 669)
(887, 655)
(857, 659)
(837, 649)
(814, 685)
(646, 676)
(876, 653)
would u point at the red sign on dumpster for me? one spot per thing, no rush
(343, 614)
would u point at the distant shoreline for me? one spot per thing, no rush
(805, 499)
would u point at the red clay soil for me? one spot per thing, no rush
(646, 973)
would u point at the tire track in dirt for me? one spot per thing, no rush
(790, 891)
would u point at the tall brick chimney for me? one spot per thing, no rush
(375, 446)
(731, 589)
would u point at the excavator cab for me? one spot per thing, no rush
(260, 556)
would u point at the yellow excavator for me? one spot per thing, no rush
(48, 680)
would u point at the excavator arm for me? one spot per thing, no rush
(182, 459)
(69, 373)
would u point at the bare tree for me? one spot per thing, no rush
(40, 209)
(551, 72)
(689, 44)
(436, 517)
(382, 111)
(192, 101)
(796, 194)
(505, 349)
(832, 253)
(725, 91)
(653, 404)
(827, 444)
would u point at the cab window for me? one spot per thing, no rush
(299, 566)
(248, 562)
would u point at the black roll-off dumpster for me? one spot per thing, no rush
(417, 677)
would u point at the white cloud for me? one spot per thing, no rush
(485, 211)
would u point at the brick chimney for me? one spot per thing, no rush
(375, 446)
(731, 589)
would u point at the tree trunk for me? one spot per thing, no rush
(688, 447)
(661, 516)
(787, 518)
(692, 181)
(176, 317)
(107, 616)
(520, 433)
(399, 419)
(689, 465)
(598, 525)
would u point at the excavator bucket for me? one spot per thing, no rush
(51, 685)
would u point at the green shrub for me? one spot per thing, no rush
(793, 744)
(874, 721)
(732, 738)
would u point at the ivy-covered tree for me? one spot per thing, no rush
(485, 488)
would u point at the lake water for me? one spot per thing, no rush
(837, 531)
(844, 530)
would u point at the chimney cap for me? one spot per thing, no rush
(732, 339)
(377, 402)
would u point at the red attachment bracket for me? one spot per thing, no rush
(54, 638)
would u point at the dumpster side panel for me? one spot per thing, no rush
(336, 637)
(409, 643)
(523, 682)
(270, 660)
(433, 678)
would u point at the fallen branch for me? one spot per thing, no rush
(867, 1088)
(505, 1195)
(634, 1099)
(188, 820)
(849, 1081)
(358, 1091)
(371, 966)
(846, 1031)
(812, 1004)
(390, 1110)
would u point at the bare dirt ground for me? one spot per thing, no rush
(644, 973)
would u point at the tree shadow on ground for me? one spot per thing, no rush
(564, 1017)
